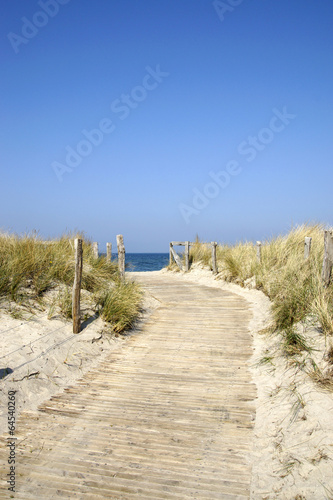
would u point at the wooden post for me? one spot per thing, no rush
(307, 247)
(121, 255)
(170, 254)
(187, 256)
(95, 249)
(176, 257)
(108, 252)
(77, 286)
(328, 258)
(259, 252)
(214, 266)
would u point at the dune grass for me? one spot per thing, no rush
(30, 268)
(293, 285)
(121, 304)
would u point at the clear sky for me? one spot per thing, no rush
(163, 119)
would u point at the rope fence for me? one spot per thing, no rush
(327, 261)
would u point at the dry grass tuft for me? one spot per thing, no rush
(324, 378)
(31, 269)
(121, 305)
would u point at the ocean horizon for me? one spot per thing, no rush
(144, 261)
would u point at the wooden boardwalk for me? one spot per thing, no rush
(168, 415)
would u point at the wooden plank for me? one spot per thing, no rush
(307, 247)
(214, 264)
(170, 255)
(168, 414)
(328, 258)
(109, 252)
(121, 254)
(177, 258)
(77, 285)
(181, 243)
(95, 249)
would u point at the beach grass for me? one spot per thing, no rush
(120, 304)
(294, 285)
(30, 268)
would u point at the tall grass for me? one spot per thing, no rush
(121, 305)
(200, 252)
(30, 268)
(293, 285)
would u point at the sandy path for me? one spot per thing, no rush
(169, 414)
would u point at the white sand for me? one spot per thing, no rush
(46, 356)
(293, 447)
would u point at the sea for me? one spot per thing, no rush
(144, 261)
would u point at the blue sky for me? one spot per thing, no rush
(116, 116)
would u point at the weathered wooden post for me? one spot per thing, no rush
(77, 286)
(214, 266)
(170, 254)
(121, 255)
(108, 252)
(187, 256)
(95, 249)
(307, 247)
(258, 252)
(328, 258)
(174, 255)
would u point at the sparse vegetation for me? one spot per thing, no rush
(65, 303)
(31, 270)
(294, 285)
(265, 360)
(288, 467)
(298, 403)
(324, 378)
